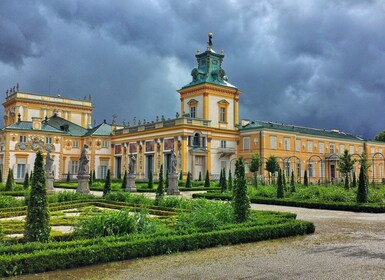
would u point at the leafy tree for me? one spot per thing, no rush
(272, 166)
(240, 201)
(305, 179)
(292, 182)
(362, 191)
(200, 176)
(354, 181)
(280, 188)
(380, 136)
(345, 166)
(230, 184)
(207, 180)
(107, 184)
(160, 189)
(150, 181)
(188, 180)
(26, 181)
(8, 184)
(254, 167)
(68, 177)
(124, 181)
(37, 220)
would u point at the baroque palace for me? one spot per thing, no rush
(208, 137)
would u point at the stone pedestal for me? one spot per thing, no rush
(49, 182)
(83, 184)
(130, 186)
(173, 184)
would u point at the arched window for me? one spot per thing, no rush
(196, 140)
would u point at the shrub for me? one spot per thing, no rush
(71, 196)
(8, 201)
(207, 180)
(118, 196)
(188, 181)
(240, 202)
(107, 184)
(8, 184)
(37, 221)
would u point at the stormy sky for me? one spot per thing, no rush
(312, 63)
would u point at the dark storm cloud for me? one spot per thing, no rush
(314, 63)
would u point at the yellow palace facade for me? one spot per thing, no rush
(205, 135)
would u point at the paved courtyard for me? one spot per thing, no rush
(345, 245)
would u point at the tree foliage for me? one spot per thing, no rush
(26, 181)
(240, 202)
(160, 189)
(272, 165)
(254, 167)
(280, 188)
(207, 180)
(107, 184)
(188, 180)
(37, 220)
(380, 136)
(292, 182)
(345, 165)
(362, 191)
(8, 184)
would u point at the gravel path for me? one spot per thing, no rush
(345, 245)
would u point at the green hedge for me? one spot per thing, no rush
(341, 206)
(51, 259)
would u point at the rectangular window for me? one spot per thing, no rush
(322, 169)
(309, 146)
(222, 114)
(20, 171)
(23, 139)
(74, 167)
(297, 145)
(332, 148)
(287, 169)
(103, 171)
(360, 150)
(299, 174)
(351, 150)
(104, 144)
(75, 144)
(342, 149)
(372, 151)
(223, 143)
(321, 147)
(273, 142)
(246, 143)
(310, 170)
(193, 111)
(287, 144)
(48, 140)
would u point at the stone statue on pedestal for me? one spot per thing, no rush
(84, 172)
(130, 185)
(173, 163)
(49, 176)
(131, 164)
(173, 177)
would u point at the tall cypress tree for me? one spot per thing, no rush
(280, 189)
(37, 221)
(240, 201)
(124, 181)
(224, 180)
(188, 180)
(362, 191)
(107, 184)
(8, 184)
(160, 189)
(1, 176)
(230, 184)
(68, 177)
(150, 181)
(292, 182)
(93, 176)
(12, 179)
(26, 181)
(207, 180)
(305, 179)
(284, 180)
(354, 181)
(200, 176)
(180, 175)
(30, 175)
(90, 181)
(166, 183)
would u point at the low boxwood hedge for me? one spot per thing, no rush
(341, 206)
(46, 258)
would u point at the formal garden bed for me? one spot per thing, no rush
(89, 230)
(331, 197)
